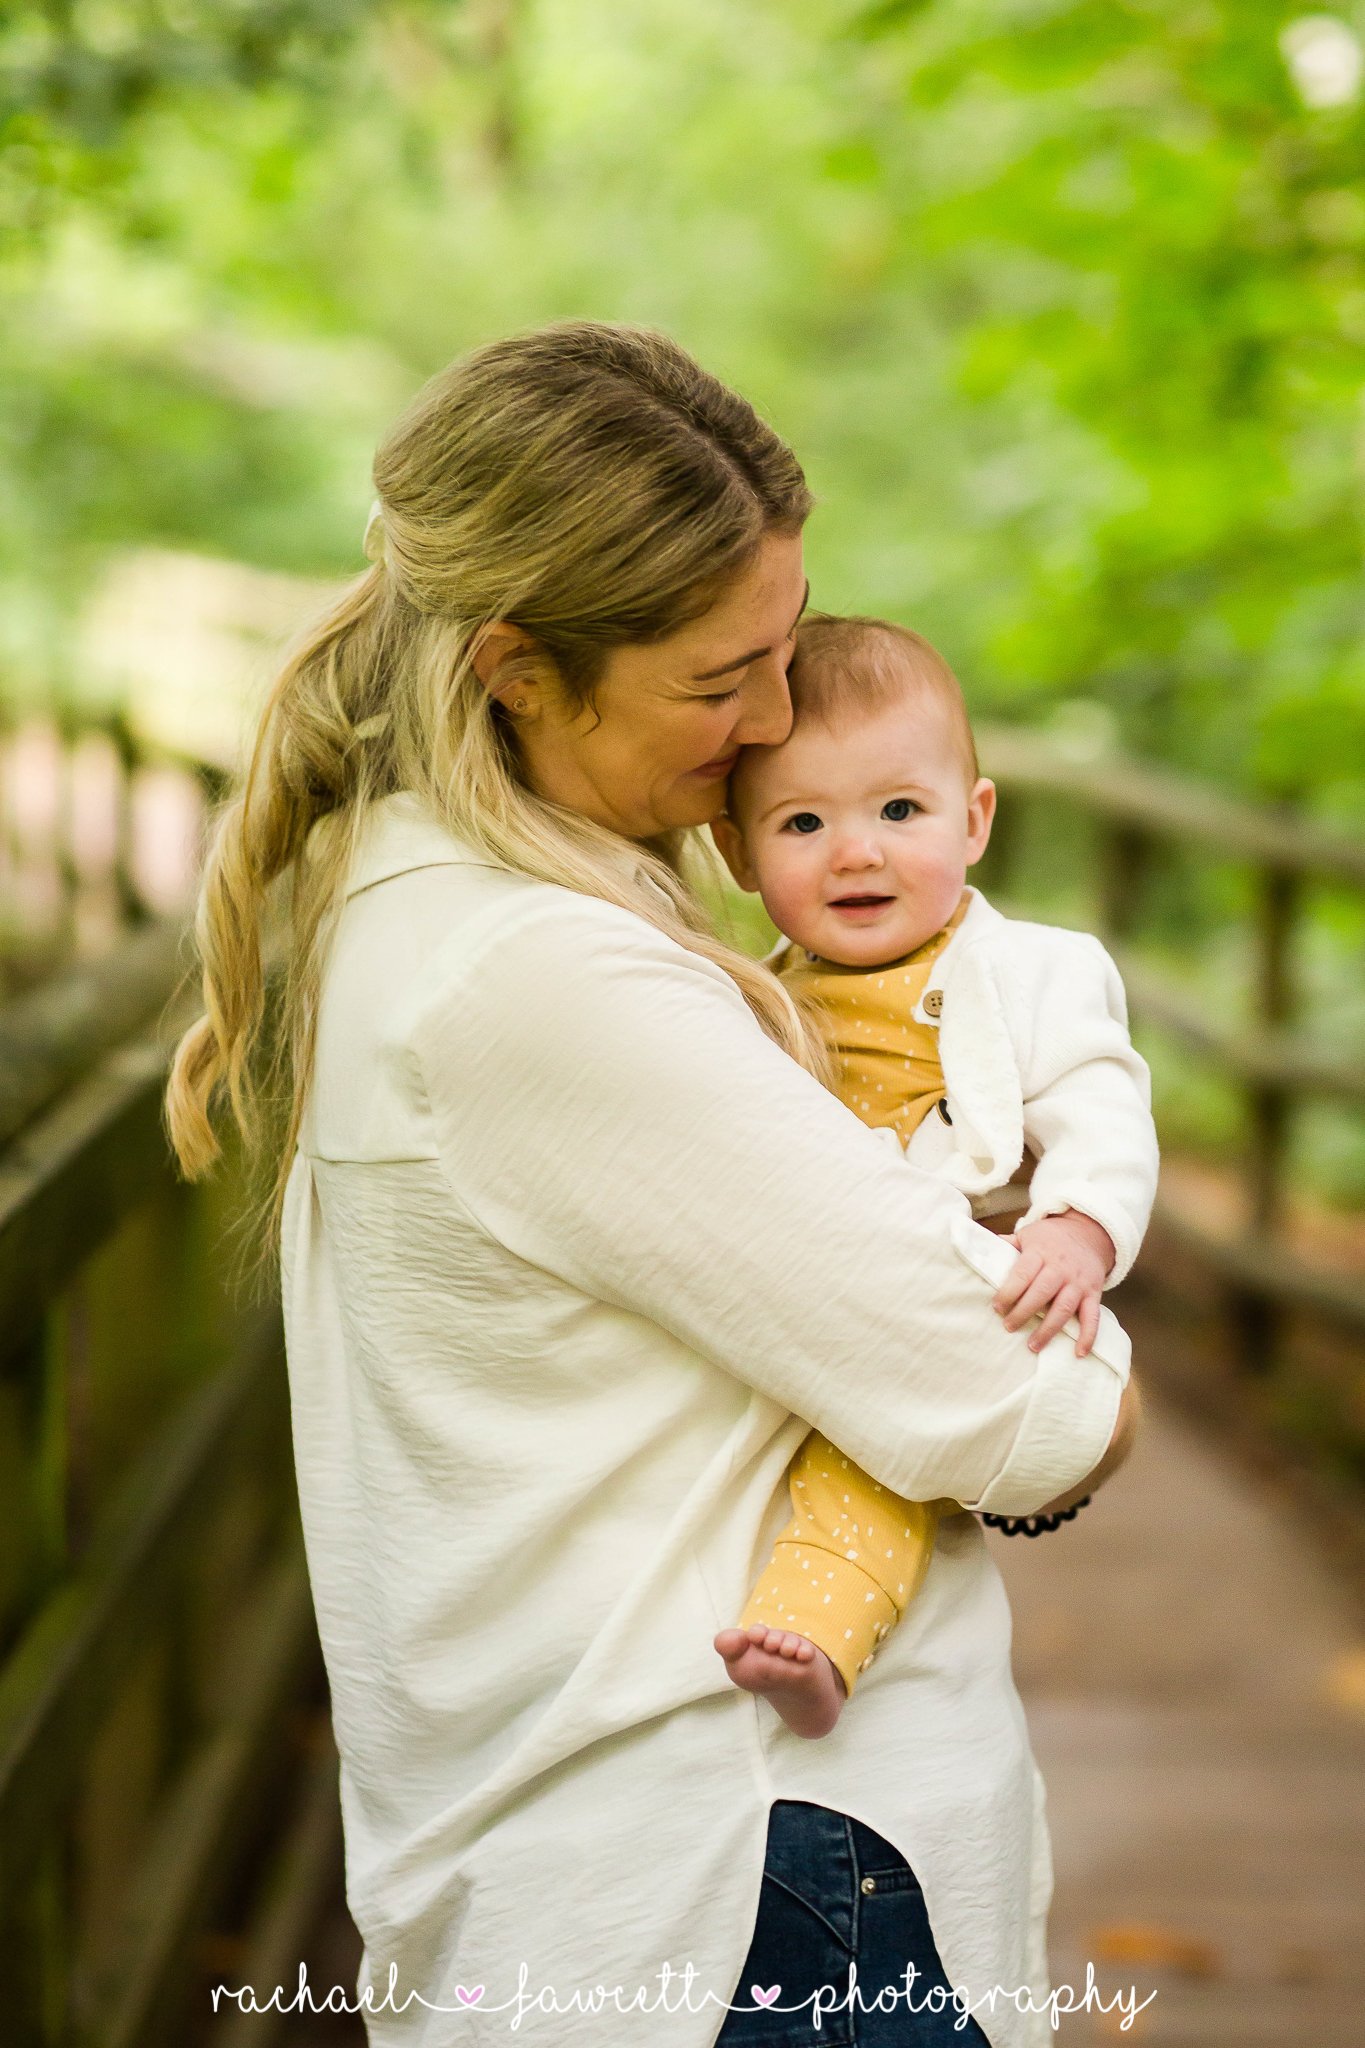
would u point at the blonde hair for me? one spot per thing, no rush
(596, 486)
(846, 668)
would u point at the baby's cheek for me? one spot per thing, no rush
(791, 891)
(940, 872)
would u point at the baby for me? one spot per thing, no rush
(996, 1053)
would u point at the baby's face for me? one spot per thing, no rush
(858, 840)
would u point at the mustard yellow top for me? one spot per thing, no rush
(887, 1065)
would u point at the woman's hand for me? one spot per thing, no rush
(1062, 1266)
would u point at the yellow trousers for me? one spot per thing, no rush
(848, 1563)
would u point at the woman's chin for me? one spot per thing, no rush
(699, 805)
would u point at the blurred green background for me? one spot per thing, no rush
(1062, 302)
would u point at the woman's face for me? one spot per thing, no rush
(668, 719)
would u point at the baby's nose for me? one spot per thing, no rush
(857, 850)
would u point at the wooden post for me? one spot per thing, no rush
(1279, 895)
(1124, 862)
(64, 851)
(52, 1449)
(132, 909)
(9, 844)
(35, 1928)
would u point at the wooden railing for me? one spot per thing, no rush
(1260, 1038)
(165, 1772)
(98, 825)
(168, 1798)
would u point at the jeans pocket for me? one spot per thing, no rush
(796, 1966)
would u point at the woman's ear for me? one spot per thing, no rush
(502, 657)
(730, 845)
(980, 817)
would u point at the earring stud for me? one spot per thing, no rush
(520, 704)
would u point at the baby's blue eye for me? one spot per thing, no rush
(899, 808)
(804, 821)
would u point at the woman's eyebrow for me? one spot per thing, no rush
(728, 667)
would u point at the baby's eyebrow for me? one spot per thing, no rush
(790, 803)
(907, 787)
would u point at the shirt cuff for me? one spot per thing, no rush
(1073, 1403)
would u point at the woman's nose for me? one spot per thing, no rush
(766, 708)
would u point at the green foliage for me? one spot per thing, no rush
(1061, 301)
(1166, 246)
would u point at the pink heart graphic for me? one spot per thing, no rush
(469, 1997)
(761, 1997)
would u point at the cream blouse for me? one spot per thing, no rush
(573, 1257)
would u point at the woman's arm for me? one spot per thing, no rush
(606, 1106)
(1120, 1444)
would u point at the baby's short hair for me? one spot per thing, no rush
(846, 668)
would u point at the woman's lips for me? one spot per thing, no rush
(715, 771)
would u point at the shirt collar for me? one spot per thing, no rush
(400, 834)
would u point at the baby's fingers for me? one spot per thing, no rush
(1059, 1314)
(1088, 1315)
(1035, 1298)
(1021, 1274)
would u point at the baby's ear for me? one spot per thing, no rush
(980, 817)
(730, 845)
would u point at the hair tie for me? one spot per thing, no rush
(1034, 1525)
(375, 520)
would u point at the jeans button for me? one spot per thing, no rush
(869, 1884)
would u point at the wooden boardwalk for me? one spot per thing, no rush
(1193, 1669)
(1194, 1678)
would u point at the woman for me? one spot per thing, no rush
(575, 1250)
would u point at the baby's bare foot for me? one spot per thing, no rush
(787, 1669)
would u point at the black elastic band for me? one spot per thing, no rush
(1034, 1525)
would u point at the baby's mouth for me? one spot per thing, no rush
(859, 902)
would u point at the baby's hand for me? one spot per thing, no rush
(1062, 1266)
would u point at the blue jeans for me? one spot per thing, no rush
(835, 1893)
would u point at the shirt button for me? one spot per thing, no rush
(869, 1884)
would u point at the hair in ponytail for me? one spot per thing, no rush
(596, 485)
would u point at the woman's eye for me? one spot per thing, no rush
(899, 808)
(722, 696)
(804, 821)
